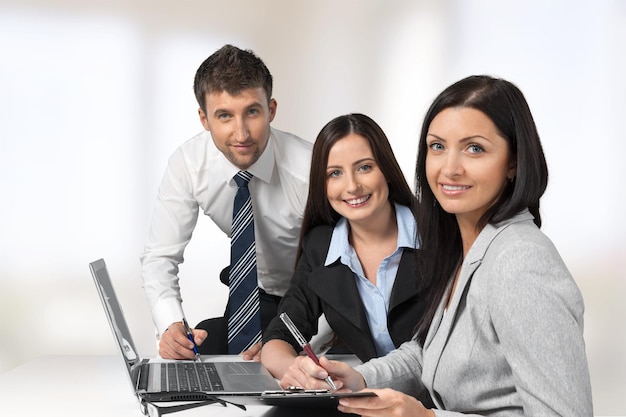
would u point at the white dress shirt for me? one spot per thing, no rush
(198, 176)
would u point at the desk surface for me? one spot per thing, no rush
(98, 386)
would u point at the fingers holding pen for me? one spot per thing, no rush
(315, 376)
(175, 344)
(344, 376)
(304, 372)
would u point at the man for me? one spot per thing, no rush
(233, 88)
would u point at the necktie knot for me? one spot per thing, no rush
(242, 178)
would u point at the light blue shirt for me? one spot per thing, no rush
(375, 297)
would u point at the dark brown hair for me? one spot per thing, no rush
(232, 70)
(318, 210)
(441, 248)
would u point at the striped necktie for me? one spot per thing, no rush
(244, 316)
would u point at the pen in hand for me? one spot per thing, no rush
(190, 337)
(305, 345)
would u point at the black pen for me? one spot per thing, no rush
(305, 345)
(190, 337)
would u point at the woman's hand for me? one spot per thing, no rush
(303, 372)
(388, 403)
(295, 376)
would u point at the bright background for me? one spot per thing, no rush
(95, 95)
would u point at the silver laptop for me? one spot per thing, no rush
(154, 381)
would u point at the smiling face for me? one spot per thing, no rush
(468, 163)
(355, 186)
(239, 124)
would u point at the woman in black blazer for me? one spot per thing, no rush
(356, 261)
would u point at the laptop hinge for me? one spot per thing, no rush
(143, 369)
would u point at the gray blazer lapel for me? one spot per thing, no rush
(442, 325)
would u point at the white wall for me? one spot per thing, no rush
(94, 96)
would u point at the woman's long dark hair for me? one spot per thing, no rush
(318, 210)
(440, 239)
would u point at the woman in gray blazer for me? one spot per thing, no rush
(503, 329)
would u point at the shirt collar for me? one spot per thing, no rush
(340, 246)
(407, 228)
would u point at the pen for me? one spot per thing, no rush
(190, 337)
(305, 345)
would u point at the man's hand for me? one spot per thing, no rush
(174, 343)
(254, 353)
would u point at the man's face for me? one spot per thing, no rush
(239, 124)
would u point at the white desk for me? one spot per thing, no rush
(95, 386)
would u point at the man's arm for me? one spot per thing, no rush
(173, 221)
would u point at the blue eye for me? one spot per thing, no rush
(436, 146)
(334, 173)
(365, 167)
(475, 148)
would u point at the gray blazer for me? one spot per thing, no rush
(511, 342)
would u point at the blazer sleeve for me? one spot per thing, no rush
(537, 313)
(301, 304)
(400, 369)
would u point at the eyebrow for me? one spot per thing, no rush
(463, 140)
(256, 104)
(354, 163)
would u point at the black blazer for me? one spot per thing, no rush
(332, 290)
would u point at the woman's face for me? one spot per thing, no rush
(468, 163)
(355, 186)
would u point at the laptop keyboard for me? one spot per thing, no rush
(190, 376)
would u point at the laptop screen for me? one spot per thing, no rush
(116, 319)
